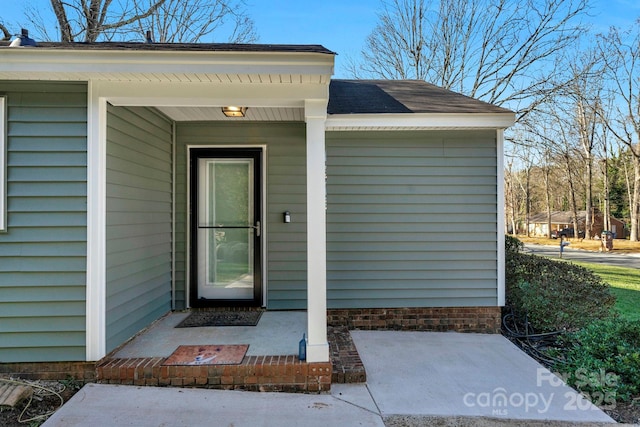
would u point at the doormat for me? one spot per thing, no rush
(221, 318)
(194, 355)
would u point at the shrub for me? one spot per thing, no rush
(512, 245)
(603, 360)
(555, 295)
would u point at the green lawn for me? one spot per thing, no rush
(625, 285)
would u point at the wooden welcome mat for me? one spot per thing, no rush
(193, 355)
(220, 318)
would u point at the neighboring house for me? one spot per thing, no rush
(127, 193)
(539, 226)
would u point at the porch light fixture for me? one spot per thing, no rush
(234, 111)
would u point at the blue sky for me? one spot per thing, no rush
(339, 25)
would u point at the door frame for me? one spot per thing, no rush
(190, 272)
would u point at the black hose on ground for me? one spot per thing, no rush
(534, 344)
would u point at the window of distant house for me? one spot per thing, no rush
(3, 163)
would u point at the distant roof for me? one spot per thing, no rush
(192, 47)
(557, 217)
(562, 217)
(400, 96)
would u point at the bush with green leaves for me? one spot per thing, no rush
(554, 295)
(603, 360)
(512, 245)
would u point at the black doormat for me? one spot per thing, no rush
(220, 318)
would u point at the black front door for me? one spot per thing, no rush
(226, 222)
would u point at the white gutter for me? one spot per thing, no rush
(402, 121)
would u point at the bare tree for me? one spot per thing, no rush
(170, 21)
(500, 51)
(557, 138)
(606, 215)
(6, 34)
(584, 93)
(86, 20)
(512, 199)
(546, 159)
(189, 21)
(524, 156)
(565, 145)
(621, 53)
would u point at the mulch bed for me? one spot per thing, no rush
(626, 412)
(44, 402)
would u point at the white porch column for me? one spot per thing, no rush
(317, 345)
(96, 225)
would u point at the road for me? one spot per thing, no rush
(620, 260)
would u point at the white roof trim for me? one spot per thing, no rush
(205, 66)
(417, 121)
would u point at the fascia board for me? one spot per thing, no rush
(421, 120)
(29, 60)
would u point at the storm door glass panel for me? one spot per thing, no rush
(226, 231)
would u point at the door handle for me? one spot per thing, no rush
(257, 227)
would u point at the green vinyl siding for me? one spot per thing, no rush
(411, 219)
(286, 269)
(43, 252)
(139, 212)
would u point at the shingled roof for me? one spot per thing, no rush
(400, 96)
(189, 47)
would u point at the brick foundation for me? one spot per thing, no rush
(255, 373)
(436, 319)
(55, 371)
(273, 373)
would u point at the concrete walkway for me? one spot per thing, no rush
(451, 374)
(414, 378)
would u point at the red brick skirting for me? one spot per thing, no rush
(347, 365)
(255, 373)
(273, 373)
(437, 319)
(79, 371)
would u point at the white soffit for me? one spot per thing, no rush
(166, 66)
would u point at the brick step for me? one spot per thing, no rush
(347, 365)
(268, 373)
(255, 373)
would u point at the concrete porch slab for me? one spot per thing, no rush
(468, 375)
(271, 363)
(277, 333)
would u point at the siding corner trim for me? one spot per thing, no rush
(3, 163)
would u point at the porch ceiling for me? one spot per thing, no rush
(276, 114)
